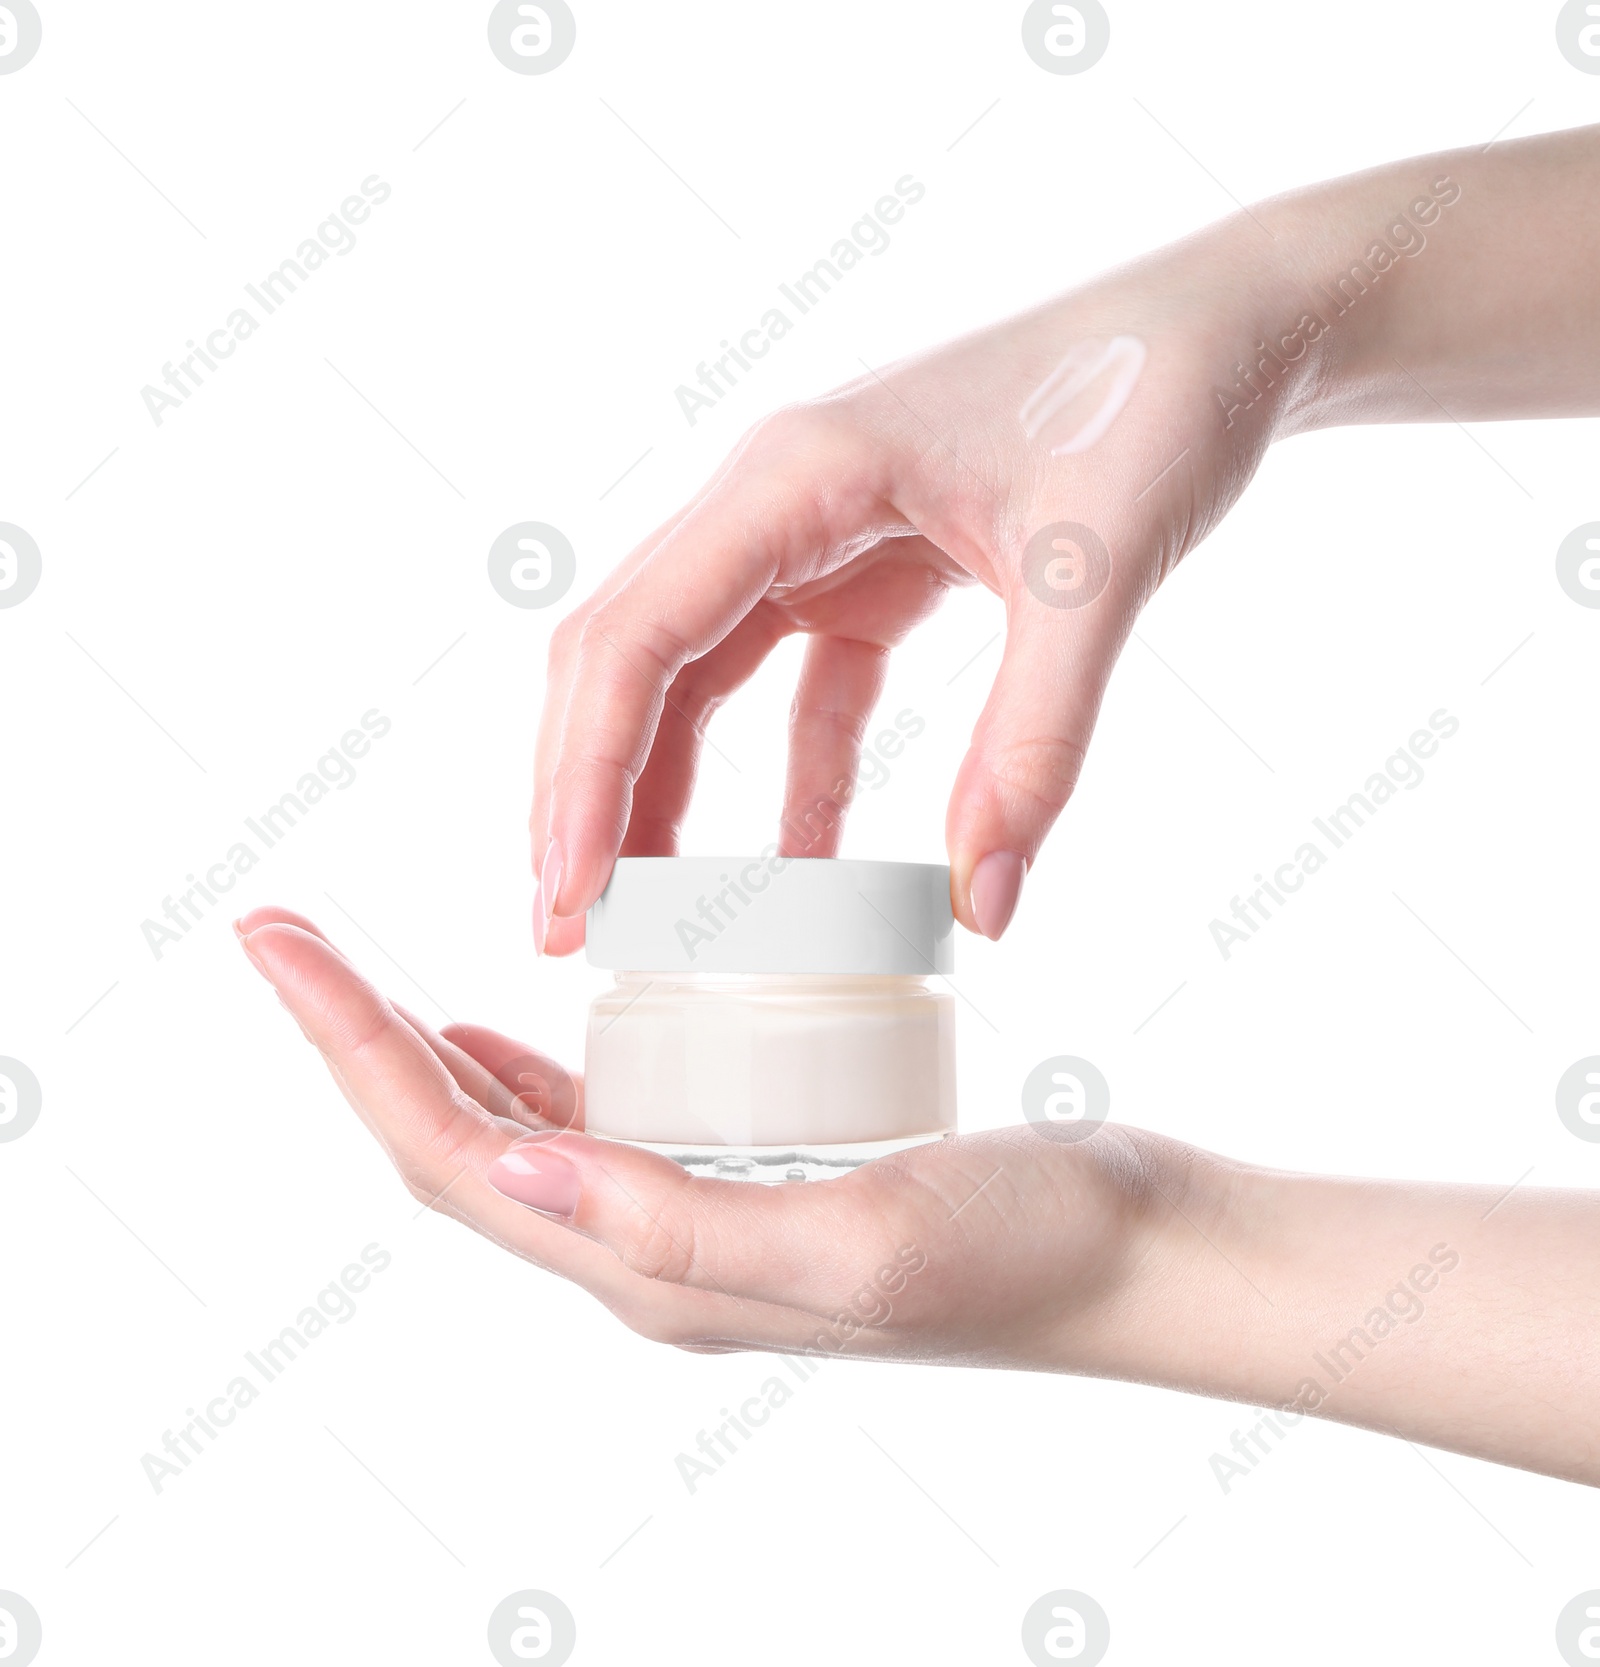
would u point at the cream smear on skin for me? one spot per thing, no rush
(1081, 398)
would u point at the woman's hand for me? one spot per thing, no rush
(1066, 460)
(1403, 1307)
(1001, 1249)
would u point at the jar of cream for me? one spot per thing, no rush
(772, 1018)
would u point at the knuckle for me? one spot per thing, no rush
(806, 427)
(1041, 770)
(578, 776)
(655, 1327)
(641, 647)
(364, 1031)
(444, 1151)
(777, 430)
(694, 698)
(850, 726)
(659, 1248)
(648, 1316)
(564, 639)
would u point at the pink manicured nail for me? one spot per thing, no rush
(550, 878)
(996, 886)
(534, 1175)
(541, 921)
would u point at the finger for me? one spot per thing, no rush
(539, 1084)
(562, 936)
(1020, 770)
(470, 1075)
(432, 1131)
(550, 937)
(855, 618)
(274, 914)
(1029, 744)
(439, 1140)
(661, 799)
(537, 1089)
(799, 505)
(563, 651)
(443, 1145)
(879, 597)
(801, 1247)
(840, 681)
(665, 787)
(666, 784)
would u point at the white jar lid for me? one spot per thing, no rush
(773, 914)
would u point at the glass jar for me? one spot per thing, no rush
(772, 1018)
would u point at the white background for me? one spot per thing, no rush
(274, 560)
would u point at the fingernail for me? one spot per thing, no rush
(550, 878)
(534, 1175)
(996, 886)
(541, 922)
(255, 960)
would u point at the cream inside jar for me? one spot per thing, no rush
(772, 1018)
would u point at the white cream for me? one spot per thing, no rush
(1081, 398)
(766, 1060)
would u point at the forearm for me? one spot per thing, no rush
(1459, 285)
(1454, 1316)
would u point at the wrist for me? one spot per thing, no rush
(1348, 279)
(1274, 360)
(1223, 1285)
(1185, 1298)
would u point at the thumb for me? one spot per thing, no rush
(1067, 617)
